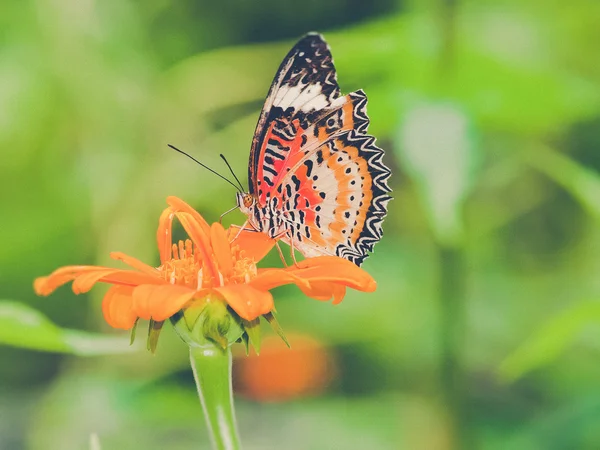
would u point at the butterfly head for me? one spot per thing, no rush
(244, 201)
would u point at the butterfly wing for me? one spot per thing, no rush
(305, 83)
(313, 160)
(335, 197)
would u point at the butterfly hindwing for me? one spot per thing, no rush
(342, 199)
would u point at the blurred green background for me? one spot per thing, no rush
(483, 332)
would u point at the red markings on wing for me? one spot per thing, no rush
(282, 165)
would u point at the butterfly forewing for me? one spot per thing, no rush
(318, 179)
(305, 83)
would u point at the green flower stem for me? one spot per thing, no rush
(212, 372)
(453, 275)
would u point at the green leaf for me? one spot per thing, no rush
(582, 183)
(437, 148)
(549, 341)
(24, 327)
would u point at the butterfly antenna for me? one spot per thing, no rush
(231, 170)
(205, 166)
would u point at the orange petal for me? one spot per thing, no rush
(268, 279)
(179, 205)
(333, 269)
(117, 307)
(221, 248)
(201, 240)
(85, 281)
(160, 302)
(47, 285)
(247, 301)
(321, 278)
(254, 244)
(135, 263)
(84, 277)
(325, 291)
(164, 238)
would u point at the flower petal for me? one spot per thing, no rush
(117, 307)
(319, 290)
(321, 278)
(201, 240)
(254, 244)
(47, 285)
(334, 270)
(179, 205)
(268, 279)
(197, 229)
(84, 277)
(135, 263)
(325, 291)
(221, 248)
(247, 301)
(164, 238)
(160, 302)
(85, 281)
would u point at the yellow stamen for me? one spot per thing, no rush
(244, 270)
(184, 267)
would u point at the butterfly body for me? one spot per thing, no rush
(317, 180)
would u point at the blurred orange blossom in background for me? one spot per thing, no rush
(283, 374)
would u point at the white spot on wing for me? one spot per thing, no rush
(302, 96)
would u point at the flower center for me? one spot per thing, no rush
(244, 270)
(185, 266)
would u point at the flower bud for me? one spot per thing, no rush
(207, 322)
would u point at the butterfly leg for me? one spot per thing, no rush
(286, 233)
(292, 251)
(241, 229)
(227, 212)
(281, 254)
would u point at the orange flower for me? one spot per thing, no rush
(211, 264)
(283, 374)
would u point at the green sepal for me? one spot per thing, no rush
(154, 329)
(276, 327)
(132, 334)
(252, 329)
(215, 323)
(236, 331)
(192, 314)
(208, 322)
(246, 341)
(221, 324)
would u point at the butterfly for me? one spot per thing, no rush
(316, 178)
